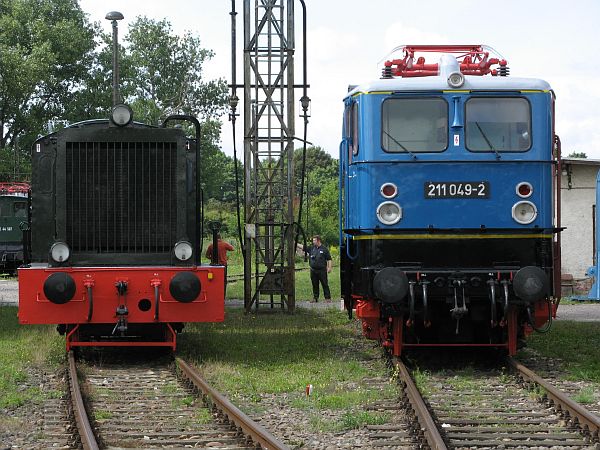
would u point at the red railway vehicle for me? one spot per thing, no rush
(115, 238)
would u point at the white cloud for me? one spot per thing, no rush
(399, 33)
(550, 39)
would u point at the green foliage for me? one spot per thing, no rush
(319, 163)
(57, 69)
(166, 73)
(320, 198)
(14, 166)
(218, 174)
(46, 47)
(577, 155)
(323, 213)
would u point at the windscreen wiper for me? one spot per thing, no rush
(399, 144)
(487, 140)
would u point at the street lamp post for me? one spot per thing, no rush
(114, 16)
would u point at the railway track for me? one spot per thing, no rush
(492, 408)
(148, 405)
(554, 371)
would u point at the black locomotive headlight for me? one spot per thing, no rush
(121, 115)
(390, 285)
(183, 250)
(60, 252)
(531, 284)
(185, 287)
(59, 288)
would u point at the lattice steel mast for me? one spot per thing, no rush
(268, 154)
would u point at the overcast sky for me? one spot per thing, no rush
(556, 40)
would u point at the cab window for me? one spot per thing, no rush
(498, 125)
(20, 209)
(354, 129)
(414, 125)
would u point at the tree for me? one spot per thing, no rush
(166, 73)
(162, 75)
(323, 218)
(46, 47)
(577, 155)
(320, 200)
(317, 161)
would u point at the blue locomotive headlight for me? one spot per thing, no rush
(59, 288)
(456, 79)
(524, 212)
(389, 213)
(60, 252)
(185, 287)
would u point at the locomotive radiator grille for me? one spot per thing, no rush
(121, 196)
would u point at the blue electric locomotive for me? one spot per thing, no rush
(448, 187)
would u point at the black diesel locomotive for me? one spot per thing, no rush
(116, 240)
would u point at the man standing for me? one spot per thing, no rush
(320, 266)
(222, 248)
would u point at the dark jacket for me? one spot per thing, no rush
(318, 257)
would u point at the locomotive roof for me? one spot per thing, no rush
(449, 64)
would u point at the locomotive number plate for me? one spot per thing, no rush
(457, 189)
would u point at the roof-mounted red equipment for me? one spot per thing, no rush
(14, 188)
(473, 60)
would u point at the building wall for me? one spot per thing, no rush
(577, 202)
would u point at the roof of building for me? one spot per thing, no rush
(581, 161)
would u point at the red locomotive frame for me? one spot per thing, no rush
(144, 285)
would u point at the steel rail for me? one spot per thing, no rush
(88, 440)
(258, 433)
(586, 419)
(430, 430)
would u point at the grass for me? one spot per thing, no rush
(421, 379)
(203, 416)
(235, 267)
(577, 344)
(350, 420)
(184, 401)
(280, 353)
(22, 348)
(235, 290)
(585, 396)
(102, 415)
